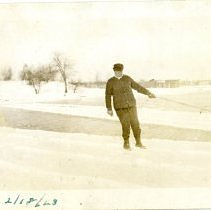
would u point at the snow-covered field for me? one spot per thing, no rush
(179, 171)
(90, 103)
(169, 174)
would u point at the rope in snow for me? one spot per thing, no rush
(185, 104)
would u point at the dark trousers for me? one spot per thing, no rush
(129, 118)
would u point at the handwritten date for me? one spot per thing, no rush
(32, 201)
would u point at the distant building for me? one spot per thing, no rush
(150, 84)
(160, 83)
(172, 83)
(204, 82)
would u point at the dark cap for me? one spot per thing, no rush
(118, 67)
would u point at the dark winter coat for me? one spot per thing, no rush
(121, 90)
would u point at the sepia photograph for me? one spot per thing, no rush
(105, 105)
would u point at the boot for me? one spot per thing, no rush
(126, 145)
(139, 144)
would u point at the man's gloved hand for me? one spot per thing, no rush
(110, 112)
(151, 95)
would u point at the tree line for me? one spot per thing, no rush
(36, 76)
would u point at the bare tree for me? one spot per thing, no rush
(36, 76)
(6, 74)
(76, 84)
(63, 66)
(33, 77)
(48, 72)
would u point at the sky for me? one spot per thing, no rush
(153, 39)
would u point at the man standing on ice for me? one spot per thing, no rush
(120, 87)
